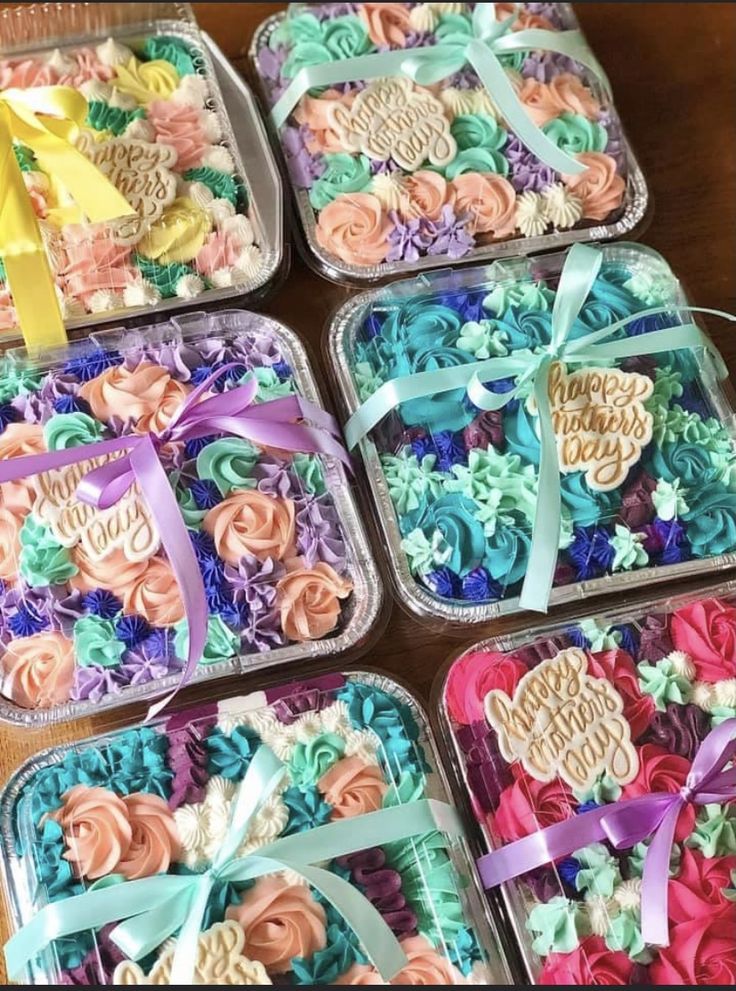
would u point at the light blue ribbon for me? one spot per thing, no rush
(155, 908)
(481, 50)
(578, 275)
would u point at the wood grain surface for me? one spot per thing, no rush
(673, 70)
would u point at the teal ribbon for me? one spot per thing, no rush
(481, 50)
(155, 908)
(578, 275)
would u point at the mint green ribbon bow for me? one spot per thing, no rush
(155, 908)
(481, 50)
(533, 367)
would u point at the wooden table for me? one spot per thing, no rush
(672, 70)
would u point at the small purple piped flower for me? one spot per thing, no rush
(449, 236)
(408, 240)
(527, 172)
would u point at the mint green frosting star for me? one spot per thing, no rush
(367, 380)
(567, 529)
(676, 423)
(410, 480)
(557, 923)
(524, 295)
(669, 500)
(604, 790)
(95, 642)
(67, 430)
(313, 759)
(16, 380)
(423, 554)
(488, 472)
(343, 174)
(491, 514)
(663, 683)
(667, 386)
(574, 134)
(483, 339)
(229, 463)
(720, 713)
(270, 385)
(599, 873)
(628, 550)
(221, 643)
(309, 469)
(715, 831)
(624, 935)
(638, 854)
(600, 637)
(652, 288)
(43, 561)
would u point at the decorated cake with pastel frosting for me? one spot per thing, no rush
(416, 161)
(91, 610)
(669, 676)
(157, 800)
(156, 127)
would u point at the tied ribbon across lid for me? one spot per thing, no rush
(576, 280)
(489, 39)
(155, 908)
(47, 120)
(626, 823)
(269, 424)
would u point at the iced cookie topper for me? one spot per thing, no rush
(532, 370)
(563, 722)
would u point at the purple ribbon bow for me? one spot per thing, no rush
(268, 424)
(626, 823)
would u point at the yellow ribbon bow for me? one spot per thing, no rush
(47, 120)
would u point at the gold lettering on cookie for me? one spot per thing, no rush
(393, 118)
(126, 526)
(600, 421)
(563, 722)
(141, 171)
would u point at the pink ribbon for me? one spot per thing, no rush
(626, 823)
(268, 424)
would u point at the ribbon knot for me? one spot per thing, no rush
(152, 909)
(47, 120)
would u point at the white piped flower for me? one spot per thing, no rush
(140, 130)
(199, 194)
(218, 157)
(211, 126)
(531, 214)
(389, 191)
(682, 664)
(600, 912)
(94, 90)
(239, 276)
(628, 894)
(222, 278)
(192, 828)
(192, 90)
(123, 101)
(703, 695)
(423, 18)
(564, 209)
(219, 210)
(483, 103)
(336, 718)
(112, 53)
(104, 300)
(280, 738)
(307, 727)
(363, 744)
(239, 228)
(141, 293)
(457, 101)
(189, 287)
(249, 262)
(725, 693)
(65, 65)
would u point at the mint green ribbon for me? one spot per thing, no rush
(481, 50)
(533, 367)
(155, 908)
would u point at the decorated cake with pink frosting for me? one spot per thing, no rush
(156, 127)
(120, 815)
(91, 610)
(626, 715)
(409, 146)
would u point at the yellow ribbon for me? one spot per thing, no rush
(47, 120)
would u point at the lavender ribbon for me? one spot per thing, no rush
(268, 424)
(626, 823)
